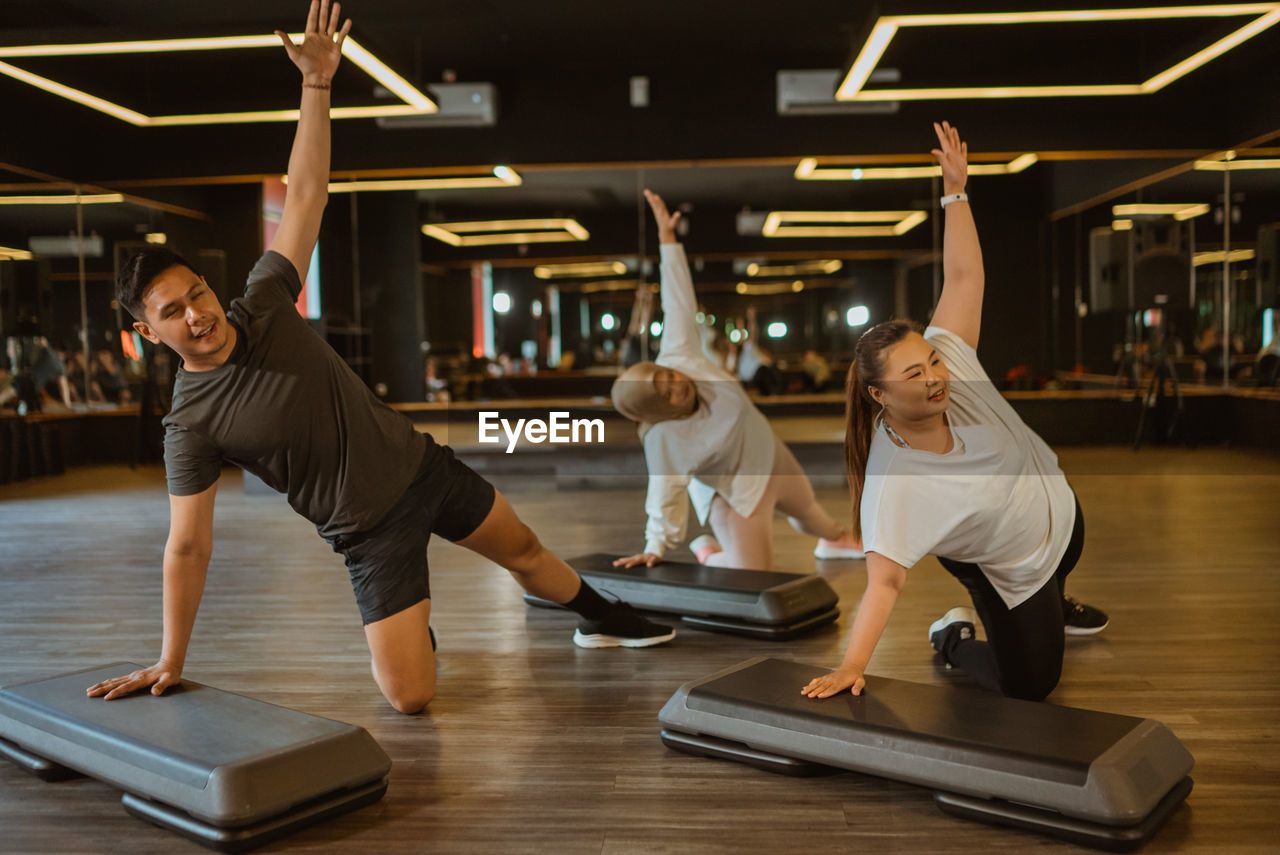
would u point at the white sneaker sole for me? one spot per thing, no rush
(959, 613)
(1085, 630)
(830, 553)
(600, 640)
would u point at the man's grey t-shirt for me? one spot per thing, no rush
(285, 407)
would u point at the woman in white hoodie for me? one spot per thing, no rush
(704, 440)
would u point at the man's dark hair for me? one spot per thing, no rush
(139, 272)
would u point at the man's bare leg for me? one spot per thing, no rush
(505, 540)
(404, 665)
(509, 543)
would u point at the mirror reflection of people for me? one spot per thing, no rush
(704, 440)
(48, 374)
(108, 382)
(1267, 362)
(8, 388)
(940, 464)
(261, 388)
(817, 371)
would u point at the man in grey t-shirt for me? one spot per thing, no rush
(260, 388)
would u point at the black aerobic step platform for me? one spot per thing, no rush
(1097, 779)
(757, 603)
(224, 770)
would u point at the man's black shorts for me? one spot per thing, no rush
(388, 563)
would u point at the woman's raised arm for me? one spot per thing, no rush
(959, 309)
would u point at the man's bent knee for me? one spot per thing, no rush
(409, 698)
(409, 703)
(406, 695)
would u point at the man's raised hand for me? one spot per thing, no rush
(321, 49)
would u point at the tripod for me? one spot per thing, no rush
(1162, 370)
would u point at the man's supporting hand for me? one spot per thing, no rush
(321, 49)
(158, 677)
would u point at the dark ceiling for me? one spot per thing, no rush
(562, 69)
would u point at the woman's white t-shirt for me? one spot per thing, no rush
(996, 499)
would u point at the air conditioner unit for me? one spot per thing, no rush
(750, 223)
(812, 92)
(462, 105)
(65, 246)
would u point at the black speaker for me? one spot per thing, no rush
(1265, 266)
(26, 298)
(1110, 283)
(1163, 275)
(1145, 267)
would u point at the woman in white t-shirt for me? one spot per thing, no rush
(705, 440)
(940, 464)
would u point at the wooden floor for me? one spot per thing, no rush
(533, 745)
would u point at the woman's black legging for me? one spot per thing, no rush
(1022, 656)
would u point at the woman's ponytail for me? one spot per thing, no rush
(858, 419)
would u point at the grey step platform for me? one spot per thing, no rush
(222, 769)
(758, 603)
(1098, 779)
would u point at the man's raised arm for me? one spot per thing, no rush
(317, 58)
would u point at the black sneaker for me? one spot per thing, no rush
(622, 627)
(961, 619)
(1079, 619)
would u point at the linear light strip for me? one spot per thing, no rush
(415, 104)
(458, 183)
(84, 98)
(1178, 210)
(831, 265)
(12, 254)
(885, 28)
(351, 48)
(1251, 163)
(506, 225)
(783, 223)
(519, 237)
(958, 92)
(379, 71)
(1217, 256)
(90, 199)
(278, 116)
(808, 170)
(834, 231)
(586, 268)
(868, 58)
(1078, 15)
(493, 232)
(152, 46)
(1214, 50)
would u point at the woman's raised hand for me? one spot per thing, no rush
(953, 157)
